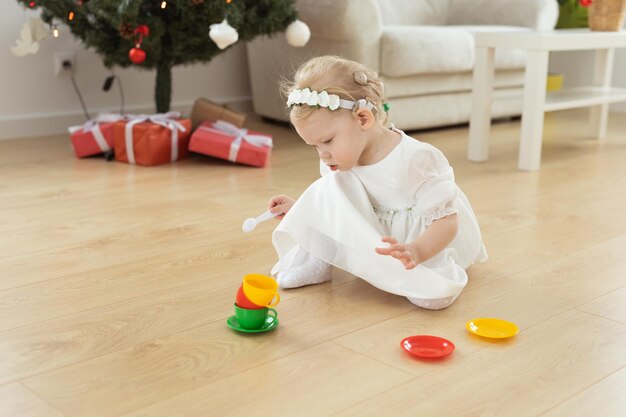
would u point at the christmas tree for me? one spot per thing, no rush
(161, 34)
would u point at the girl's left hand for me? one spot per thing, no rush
(405, 253)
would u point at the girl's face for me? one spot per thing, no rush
(338, 137)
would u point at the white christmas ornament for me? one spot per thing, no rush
(298, 33)
(38, 29)
(223, 34)
(32, 32)
(25, 44)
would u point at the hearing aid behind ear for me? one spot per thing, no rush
(360, 78)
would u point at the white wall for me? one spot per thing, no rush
(36, 102)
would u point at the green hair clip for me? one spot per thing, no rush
(386, 107)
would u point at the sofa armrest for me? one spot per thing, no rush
(342, 20)
(534, 14)
(348, 28)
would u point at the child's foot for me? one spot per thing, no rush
(312, 271)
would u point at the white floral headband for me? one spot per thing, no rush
(323, 99)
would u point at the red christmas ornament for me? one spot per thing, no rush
(142, 30)
(137, 55)
(586, 3)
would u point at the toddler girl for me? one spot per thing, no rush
(378, 187)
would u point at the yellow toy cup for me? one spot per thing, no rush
(261, 290)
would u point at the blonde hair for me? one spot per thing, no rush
(348, 79)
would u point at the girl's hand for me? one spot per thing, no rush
(408, 254)
(281, 204)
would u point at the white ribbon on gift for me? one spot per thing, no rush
(240, 135)
(93, 126)
(164, 119)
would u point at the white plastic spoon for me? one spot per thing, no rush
(251, 222)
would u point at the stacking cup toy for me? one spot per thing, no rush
(244, 302)
(261, 290)
(253, 319)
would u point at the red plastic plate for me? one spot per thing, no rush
(425, 346)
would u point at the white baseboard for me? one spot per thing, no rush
(46, 124)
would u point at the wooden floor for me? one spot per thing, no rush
(116, 282)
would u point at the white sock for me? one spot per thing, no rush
(312, 271)
(434, 304)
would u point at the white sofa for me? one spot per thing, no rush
(423, 50)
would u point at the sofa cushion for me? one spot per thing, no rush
(419, 112)
(505, 58)
(535, 14)
(411, 12)
(425, 84)
(411, 50)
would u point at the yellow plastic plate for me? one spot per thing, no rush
(492, 328)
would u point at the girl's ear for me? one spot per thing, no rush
(366, 118)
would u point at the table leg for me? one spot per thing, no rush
(602, 73)
(480, 120)
(533, 109)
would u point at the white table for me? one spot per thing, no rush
(535, 100)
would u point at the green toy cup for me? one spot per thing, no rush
(253, 319)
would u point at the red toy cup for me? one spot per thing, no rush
(243, 301)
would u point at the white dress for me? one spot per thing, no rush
(342, 217)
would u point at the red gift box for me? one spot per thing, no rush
(152, 139)
(94, 137)
(226, 141)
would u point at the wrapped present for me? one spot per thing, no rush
(204, 110)
(226, 141)
(152, 139)
(94, 137)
